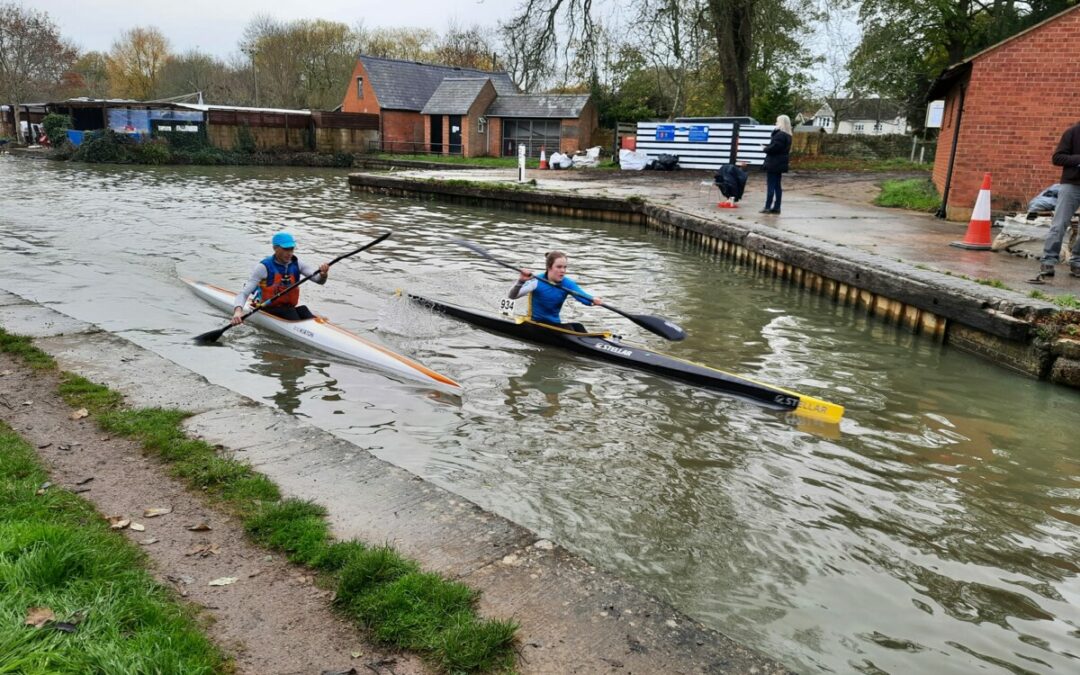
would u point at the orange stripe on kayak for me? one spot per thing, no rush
(438, 377)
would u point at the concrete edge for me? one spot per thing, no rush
(573, 617)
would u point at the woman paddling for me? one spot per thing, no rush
(546, 300)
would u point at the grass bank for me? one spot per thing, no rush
(75, 597)
(916, 194)
(829, 163)
(375, 586)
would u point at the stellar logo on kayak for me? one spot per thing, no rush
(614, 350)
(304, 331)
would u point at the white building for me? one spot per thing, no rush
(870, 116)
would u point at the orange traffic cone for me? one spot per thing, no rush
(543, 158)
(978, 233)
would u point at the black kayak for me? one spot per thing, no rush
(607, 347)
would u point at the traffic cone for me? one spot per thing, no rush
(543, 158)
(978, 232)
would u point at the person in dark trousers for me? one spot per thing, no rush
(776, 163)
(1067, 156)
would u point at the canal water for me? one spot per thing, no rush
(937, 530)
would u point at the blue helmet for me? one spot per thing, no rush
(283, 240)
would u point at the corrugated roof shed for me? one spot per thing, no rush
(454, 96)
(408, 85)
(561, 106)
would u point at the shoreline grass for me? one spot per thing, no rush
(109, 615)
(375, 586)
(916, 194)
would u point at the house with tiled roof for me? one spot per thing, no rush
(437, 109)
(869, 116)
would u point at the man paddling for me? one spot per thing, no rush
(546, 300)
(273, 275)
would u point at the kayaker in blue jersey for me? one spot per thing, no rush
(545, 300)
(274, 274)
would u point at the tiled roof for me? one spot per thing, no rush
(454, 96)
(538, 105)
(407, 85)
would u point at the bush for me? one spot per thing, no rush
(245, 141)
(184, 140)
(153, 151)
(105, 146)
(56, 127)
(917, 194)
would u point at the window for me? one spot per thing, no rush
(826, 122)
(481, 124)
(877, 127)
(533, 133)
(359, 86)
(859, 128)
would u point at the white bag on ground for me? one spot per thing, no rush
(632, 160)
(590, 158)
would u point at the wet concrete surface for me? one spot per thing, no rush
(574, 618)
(825, 206)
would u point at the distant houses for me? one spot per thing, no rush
(857, 116)
(428, 108)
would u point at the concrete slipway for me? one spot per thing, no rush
(574, 618)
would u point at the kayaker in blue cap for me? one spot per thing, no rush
(275, 274)
(545, 300)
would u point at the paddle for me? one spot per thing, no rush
(213, 335)
(654, 324)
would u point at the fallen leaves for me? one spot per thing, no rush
(154, 513)
(138, 527)
(80, 413)
(118, 522)
(203, 550)
(200, 527)
(223, 581)
(44, 486)
(148, 541)
(39, 616)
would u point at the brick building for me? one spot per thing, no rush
(1005, 110)
(448, 110)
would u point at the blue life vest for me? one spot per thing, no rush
(546, 301)
(278, 278)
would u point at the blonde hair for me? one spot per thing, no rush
(550, 257)
(783, 123)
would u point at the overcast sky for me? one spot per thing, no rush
(215, 26)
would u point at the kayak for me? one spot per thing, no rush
(318, 333)
(607, 347)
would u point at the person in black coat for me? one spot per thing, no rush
(776, 163)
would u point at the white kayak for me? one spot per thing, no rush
(320, 334)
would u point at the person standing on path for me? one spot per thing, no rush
(777, 153)
(1067, 156)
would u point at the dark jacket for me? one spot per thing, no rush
(1067, 155)
(731, 180)
(777, 152)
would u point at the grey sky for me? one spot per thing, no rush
(215, 26)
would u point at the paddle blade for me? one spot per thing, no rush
(212, 336)
(659, 325)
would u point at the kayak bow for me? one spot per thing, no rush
(609, 348)
(320, 334)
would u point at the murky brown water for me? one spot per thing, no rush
(939, 532)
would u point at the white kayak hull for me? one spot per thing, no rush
(320, 334)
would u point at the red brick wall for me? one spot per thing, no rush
(368, 103)
(1020, 99)
(403, 131)
(476, 143)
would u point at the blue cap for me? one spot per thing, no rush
(284, 240)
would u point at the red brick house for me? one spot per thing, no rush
(1005, 110)
(448, 110)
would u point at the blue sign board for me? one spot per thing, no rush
(699, 133)
(665, 132)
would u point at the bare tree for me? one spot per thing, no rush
(472, 47)
(33, 56)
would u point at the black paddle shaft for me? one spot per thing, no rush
(213, 335)
(655, 324)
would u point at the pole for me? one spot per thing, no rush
(521, 163)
